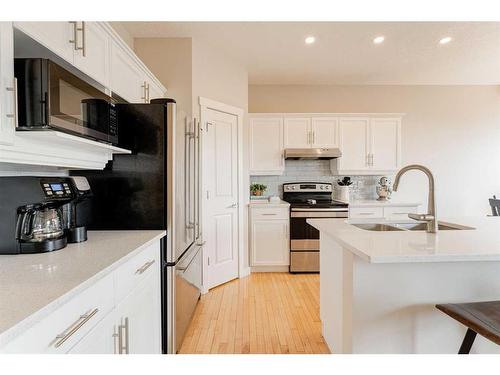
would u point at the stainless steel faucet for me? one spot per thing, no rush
(430, 217)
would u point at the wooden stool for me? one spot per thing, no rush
(495, 206)
(478, 317)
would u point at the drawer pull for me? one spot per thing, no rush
(61, 338)
(400, 213)
(269, 214)
(366, 213)
(141, 270)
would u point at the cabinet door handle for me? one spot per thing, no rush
(149, 98)
(371, 160)
(13, 115)
(75, 35)
(116, 340)
(71, 330)
(144, 267)
(313, 137)
(123, 342)
(77, 29)
(144, 92)
(84, 41)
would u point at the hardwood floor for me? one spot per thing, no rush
(262, 313)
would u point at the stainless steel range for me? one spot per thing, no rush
(309, 200)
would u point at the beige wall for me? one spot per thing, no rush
(124, 34)
(218, 77)
(454, 130)
(170, 60)
(190, 69)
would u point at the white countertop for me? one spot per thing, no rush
(376, 203)
(265, 203)
(34, 285)
(480, 244)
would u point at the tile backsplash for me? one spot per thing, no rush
(363, 187)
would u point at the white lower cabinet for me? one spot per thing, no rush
(102, 339)
(139, 321)
(385, 212)
(104, 318)
(269, 241)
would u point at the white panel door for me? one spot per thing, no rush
(266, 146)
(270, 243)
(354, 143)
(126, 78)
(220, 187)
(324, 132)
(7, 86)
(385, 141)
(297, 132)
(95, 63)
(55, 36)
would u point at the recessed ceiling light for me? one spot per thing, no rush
(445, 40)
(379, 39)
(310, 40)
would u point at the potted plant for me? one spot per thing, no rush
(257, 189)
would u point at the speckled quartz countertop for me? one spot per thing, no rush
(34, 285)
(479, 244)
(256, 203)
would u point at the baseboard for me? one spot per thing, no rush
(245, 272)
(270, 269)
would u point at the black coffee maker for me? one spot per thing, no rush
(37, 213)
(74, 230)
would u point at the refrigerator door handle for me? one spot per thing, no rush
(187, 177)
(197, 179)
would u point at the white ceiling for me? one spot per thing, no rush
(275, 52)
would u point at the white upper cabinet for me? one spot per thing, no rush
(386, 143)
(59, 37)
(311, 132)
(8, 110)
(91, 49)
(369, 145)
(127, 79)
(297, 132)
(324, 132)
(266, 146)
(92, 53)
(354, 134)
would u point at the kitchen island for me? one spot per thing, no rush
(379, 288)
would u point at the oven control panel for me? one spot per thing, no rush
(307, 187)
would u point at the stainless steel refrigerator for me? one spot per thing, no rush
(156, 187)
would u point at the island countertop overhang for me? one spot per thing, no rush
(480, 244)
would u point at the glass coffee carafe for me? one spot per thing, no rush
(37, 223)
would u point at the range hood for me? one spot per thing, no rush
(312, 153)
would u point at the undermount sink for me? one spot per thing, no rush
(441, 226)
(378, 227)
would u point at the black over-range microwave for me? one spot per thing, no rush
(50, 97)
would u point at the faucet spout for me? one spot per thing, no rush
(430, 217)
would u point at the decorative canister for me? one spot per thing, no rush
(343, 193)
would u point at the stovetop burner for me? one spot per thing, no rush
(313, 195)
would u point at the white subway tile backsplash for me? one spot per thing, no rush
(363, 187)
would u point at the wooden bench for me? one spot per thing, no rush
(478, 317)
